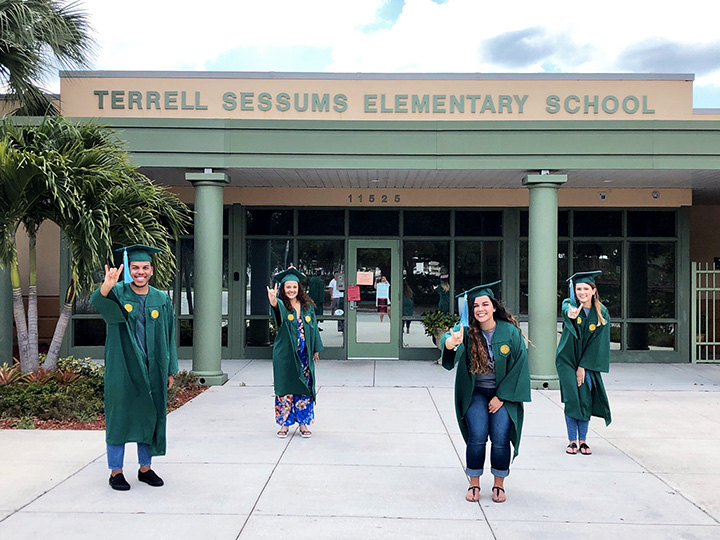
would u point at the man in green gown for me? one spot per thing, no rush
(140, 360)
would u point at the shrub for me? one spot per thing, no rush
(10, 374)
(41, 375)
(73, 392)
(66, 377)
(182, 379)
(437, 321)
(82, 366)
(50, 401)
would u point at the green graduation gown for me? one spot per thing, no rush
(287, 368)
(136, 391)
(584, 343)
(511, 371)
(316, 291)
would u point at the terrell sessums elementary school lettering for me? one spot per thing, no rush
(374, 103)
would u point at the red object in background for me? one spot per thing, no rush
(353, 293)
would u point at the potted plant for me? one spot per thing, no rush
(436, 323)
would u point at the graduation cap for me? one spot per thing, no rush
(291, 274)
(468, 296)
(581, 277)
(136, 253)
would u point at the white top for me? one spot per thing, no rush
(336, 293)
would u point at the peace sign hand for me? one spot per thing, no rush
(455, 339)
(272, 295)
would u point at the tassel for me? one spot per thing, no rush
(463, 308)
(572, 292)
(126, 266)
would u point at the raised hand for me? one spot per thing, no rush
(272, 295)
(455, 339)
(573, 311)
(112, 276)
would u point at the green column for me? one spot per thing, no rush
(542, 277)
(6, 317)
(207, 321)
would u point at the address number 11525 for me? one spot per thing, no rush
(374, 199)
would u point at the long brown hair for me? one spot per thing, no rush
(302, 296)
(478, 346)
(597, 304)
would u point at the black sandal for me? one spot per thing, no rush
(572, 449)
(585, 450)
(473, 494)
(497, 494)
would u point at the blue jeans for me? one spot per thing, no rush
(481, 424)
(577, 430)
(116, 455)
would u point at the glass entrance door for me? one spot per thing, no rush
(373, 304)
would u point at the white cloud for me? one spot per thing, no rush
(427, 37)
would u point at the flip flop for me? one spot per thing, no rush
(305, 433)
(473, 499)
(496, 494)
(571, 449)
(283, 433)
(585, 450)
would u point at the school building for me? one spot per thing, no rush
(525, 178)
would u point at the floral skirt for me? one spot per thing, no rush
(294, 408)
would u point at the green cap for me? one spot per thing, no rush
(139, 252)
(581, 277)
(584, 277)
(291, 274)
(480, 290)
(469, 296)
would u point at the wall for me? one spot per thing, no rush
(48, 275)
(704, 233)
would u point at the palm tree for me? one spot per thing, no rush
(88, 187)
(18, 170)
(37, 37)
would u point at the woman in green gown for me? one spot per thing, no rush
(492, 382)
(296, 348)
(583, 353)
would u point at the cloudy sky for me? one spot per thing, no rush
(426, 36)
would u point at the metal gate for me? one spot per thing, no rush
(705, 319)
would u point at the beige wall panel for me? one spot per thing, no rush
(402, 198)
(704, 233)
(48, 259)
(203, 98)
(185, 194)
(624, 198)
(376, 198)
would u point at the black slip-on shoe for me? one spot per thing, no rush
(118, 482)
(150, 478)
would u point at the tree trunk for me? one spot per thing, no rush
(61, 328)
(32, 312)
(20, 321)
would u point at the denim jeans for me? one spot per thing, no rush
(577, 430)
(481, 424)
(116, 455)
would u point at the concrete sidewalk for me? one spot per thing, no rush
(385, 461)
